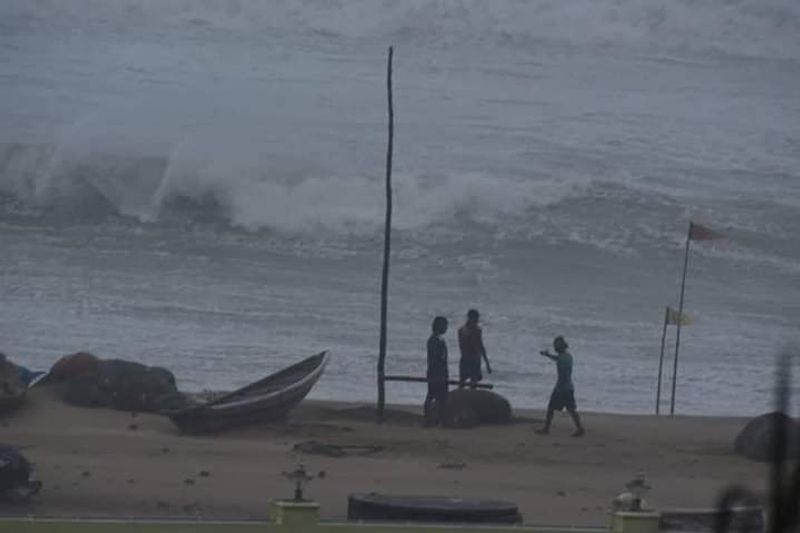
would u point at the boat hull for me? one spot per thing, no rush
(268, 400)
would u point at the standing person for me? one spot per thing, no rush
(563, 396)
(438, 374)
(470, 342)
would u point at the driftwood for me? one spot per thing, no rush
(417, 379)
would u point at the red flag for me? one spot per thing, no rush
(702, 233)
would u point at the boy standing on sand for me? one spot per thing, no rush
(470, 341)
(563, 395)
(437, 374)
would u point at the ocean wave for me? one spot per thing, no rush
(286, 200)
(289, 199)
(763, 28)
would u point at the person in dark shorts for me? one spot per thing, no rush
(470, 342)
(563, 396)
(438, 374)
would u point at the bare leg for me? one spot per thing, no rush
(548, 422)
(576, 418)
(426, 408)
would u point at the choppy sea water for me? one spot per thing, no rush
(199, 185)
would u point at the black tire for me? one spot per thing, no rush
(430, 509)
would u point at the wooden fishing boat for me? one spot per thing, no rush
(267, 400)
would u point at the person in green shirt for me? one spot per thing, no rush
(563, 396)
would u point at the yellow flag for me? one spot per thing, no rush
(673, 317)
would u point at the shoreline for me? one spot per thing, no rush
(97, 462)
(522, 414)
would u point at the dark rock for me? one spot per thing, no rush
(14, 372)
(124, 385)
(15, 470)
(136, 387)
(756, 440)
(16, 485)
(73, 366)
(188, 481)
(204, 473)
(171, 400)
(84, 390)
(133, 427)
(11, 382)
(471, 407)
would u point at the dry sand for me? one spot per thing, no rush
(102, 462)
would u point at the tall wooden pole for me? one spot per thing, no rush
(661, 361)
(680, 314)
(387, 242)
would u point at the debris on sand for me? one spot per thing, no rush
(314, 447)
(454, 465)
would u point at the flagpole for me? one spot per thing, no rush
(680, 314)
(661, 361)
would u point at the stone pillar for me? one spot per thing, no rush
(295, 515)
(635, 522)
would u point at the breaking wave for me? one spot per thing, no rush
(293, 199)
(285, 198)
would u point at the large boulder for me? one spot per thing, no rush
(756, 440)
(73, 366)
(472, 407)
(136, 387)
(87, 381)
(11, 382)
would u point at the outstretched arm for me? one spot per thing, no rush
(545, 353)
